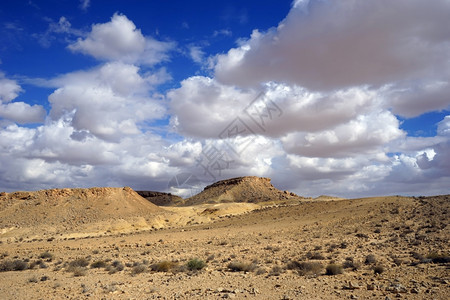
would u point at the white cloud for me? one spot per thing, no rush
(22, 113)
(9, 89)
(19, 112)
(84, 4)
(120, 40)
(197, 54)
(345, 43)
(109, 101)
(365, 134)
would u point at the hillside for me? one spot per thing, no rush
(161, 199)
(59, 210)
(249, 189)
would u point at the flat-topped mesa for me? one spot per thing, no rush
(250, 189)
(237, 180)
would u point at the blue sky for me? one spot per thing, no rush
(347, 98)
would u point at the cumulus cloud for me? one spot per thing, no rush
(120, 40)
(9, 89)
(365, 134)
(109, 101)
(19, 112)
(338, 73)
(345, 43)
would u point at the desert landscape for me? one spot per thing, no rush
(240, 238)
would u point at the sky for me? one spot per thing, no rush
(348, 98)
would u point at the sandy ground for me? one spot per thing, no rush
(387, 248)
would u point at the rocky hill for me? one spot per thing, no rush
(58, 210)
(249, 189)
(161, 199)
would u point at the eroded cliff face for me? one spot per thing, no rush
(161, 199)
(240, 189)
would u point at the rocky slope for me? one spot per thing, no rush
(241, 189)
(161, 199)
(62, 210)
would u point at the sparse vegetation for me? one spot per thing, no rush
(334, 269)
(378, 269)
(99, 264)
(370, 259)
(46, 255)
(315, 255)
(438, 258)
(138, 269)
(13, 265)
(164, 266)
(239, 266)
(305, 268)
(195, 264)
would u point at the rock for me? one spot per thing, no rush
(353, 296)
(415, 291)
(351, 286)
(371, 286)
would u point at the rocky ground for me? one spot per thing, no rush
(373, 248)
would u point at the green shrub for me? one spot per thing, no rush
(195, 264)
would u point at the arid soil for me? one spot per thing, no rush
(371, 248)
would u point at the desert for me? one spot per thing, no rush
(240, 238)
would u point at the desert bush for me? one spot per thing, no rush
(378, 269)
(78, 271)
(164, 266)
(305, 268)
(315, 255)
(116, 266)
(370, 259)
(239, 266)
(350, 263)
(276, 271)
(79, 262)
(333, 269)
(13, 265)
(438, 258)
(138, 269)
(417, 255)
(99, 264)
(46, 255)
(195, 264)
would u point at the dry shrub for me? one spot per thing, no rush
(239, 266)
(138, 269)
(370, 259)
(13, 265)
(334, 269)
(164, 266)
(99, 264)
(305, 268)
